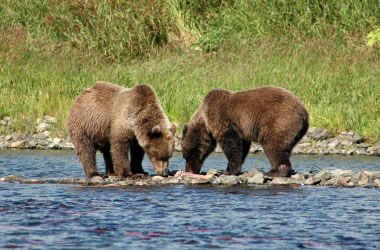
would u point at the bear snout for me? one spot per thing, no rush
(161, 167)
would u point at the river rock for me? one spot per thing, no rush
(324, 175)
(158, 179)
(42, 127)
(342, 180)
(342, 173)
(96, 180)
(312, 180)
(350, 136)
(255, 176)
(18, 144)
(228, 179)
(256, 148)
(214, 172)
(283, 181)
(50, 119)
(298, 177)
(319, 133)
(10, 178)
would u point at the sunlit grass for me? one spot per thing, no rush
(339, 90)
(51, 50)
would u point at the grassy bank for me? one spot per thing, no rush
(49, 52)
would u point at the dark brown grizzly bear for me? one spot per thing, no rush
(271, 116)
(115, 120)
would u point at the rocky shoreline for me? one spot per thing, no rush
(254, 177)
(317, 141)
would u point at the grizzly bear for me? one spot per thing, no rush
(115, 120)
(270, 116)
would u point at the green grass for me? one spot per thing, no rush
(50, 50)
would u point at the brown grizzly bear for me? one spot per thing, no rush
(115, 120)
(271, 116)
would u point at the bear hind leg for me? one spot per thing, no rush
(137, 156)
(280, 162)
(108, 161)
(121, 164)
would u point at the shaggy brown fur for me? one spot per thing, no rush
(271, 116)
(116, 120)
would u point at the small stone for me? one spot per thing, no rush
(377, 183)
(31, 145)
(173, 180)
(332, 145)
(50, 119)
(305, 139)
(8, 138)
(312, 180)
(297, 177)
(255, 148)
(255, 171)
(52, 146)
(96, 180)
(193, 181)
(112, 178)
(351, 136)
(18, 144)
(363, 145)
(67, 146)
(256, 179)
(57, 140)
(46, 134)
(213, 172)
(282, 181)
(342, 180)
(324, 175)
(349, 152)
(10, 178)
(346, 143)
(229, 179)
(342, 173)
(157, 179)
(319, 133)
(243, 178)
(42, 127)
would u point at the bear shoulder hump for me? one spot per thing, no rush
(101, 85)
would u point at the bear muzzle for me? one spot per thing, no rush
(161, 167)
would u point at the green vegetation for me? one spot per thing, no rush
(50, 50)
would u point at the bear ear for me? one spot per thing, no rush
(184, 129)
(173, 128)
(156, 131)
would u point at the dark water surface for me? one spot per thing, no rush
(184, 217)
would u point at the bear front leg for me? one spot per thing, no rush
(232, 147)
(121, 164)
(86, 153)
(137, 156)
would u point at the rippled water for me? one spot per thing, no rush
(184, 217)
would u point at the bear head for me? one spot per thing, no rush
(197, 143)
(159, 146)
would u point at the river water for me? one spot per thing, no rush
(56, 216)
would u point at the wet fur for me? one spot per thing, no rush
(116, 121)
(270, 116)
